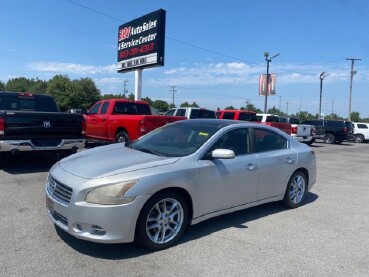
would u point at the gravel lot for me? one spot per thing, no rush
(328, 236)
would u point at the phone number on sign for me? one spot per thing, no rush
(137, 50)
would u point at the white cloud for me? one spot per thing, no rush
(72, 68)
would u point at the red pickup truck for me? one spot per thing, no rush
(236, 115)
(120, 120)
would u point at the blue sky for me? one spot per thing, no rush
(214, 51)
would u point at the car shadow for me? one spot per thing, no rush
(130, 250)
(28, 162)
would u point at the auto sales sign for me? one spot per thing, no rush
(141, 42)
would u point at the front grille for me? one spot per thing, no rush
(59, 191)
(60, 218)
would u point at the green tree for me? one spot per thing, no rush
(355, 117)
(61, 88)
(161, 105)
(251, 107)
(2, 86)
(148, 100)
(186, 104)
(84, 93)
(38, 86)
(20, 84)
(229, 108)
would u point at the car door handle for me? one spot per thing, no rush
(290, 160)
(93, 119)
(251, 166)
(103, 119)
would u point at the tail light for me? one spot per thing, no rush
(294, 130)
(345, 130)
(141, 127)
(2, 126)
(83, 127)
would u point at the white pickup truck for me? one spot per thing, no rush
(301, 132)
(191, 112)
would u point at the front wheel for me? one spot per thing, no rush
(296, 190)
(162, 221)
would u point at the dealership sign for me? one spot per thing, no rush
(141, 42)
(265, 88)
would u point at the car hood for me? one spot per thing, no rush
(110, 160)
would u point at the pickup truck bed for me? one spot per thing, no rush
(31, 122)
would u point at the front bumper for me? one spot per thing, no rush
(28, 145)
(97, 223)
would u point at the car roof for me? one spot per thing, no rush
(220, 123)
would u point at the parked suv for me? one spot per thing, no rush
(336, 131)
(191, 112)
(361, 131)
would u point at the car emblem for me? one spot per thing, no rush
(47, 124)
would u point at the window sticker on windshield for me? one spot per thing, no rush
(203, 134)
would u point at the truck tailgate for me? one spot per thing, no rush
(152, 122)
(303, 130)
(40, 125)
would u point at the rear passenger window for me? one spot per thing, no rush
(266, 140)
(181, 112)
(362, 126)
(228, 115)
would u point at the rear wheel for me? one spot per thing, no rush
(122, 137)
(359, 138)
(296, 190)
(162, 221)
(329, 138)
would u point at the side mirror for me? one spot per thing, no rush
(222, 154)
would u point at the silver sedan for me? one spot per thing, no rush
(183, 173)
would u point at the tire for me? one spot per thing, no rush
(296, 190)
(168, 211)
(359, 138)
(329, 139)
(121, 137)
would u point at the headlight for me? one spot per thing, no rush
(111, 194)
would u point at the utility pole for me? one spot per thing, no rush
(247, 102)
(125, 88)
(173, 91)
(353, 72)
(321, 77)
(332, 108)
(287, 108)
(266, 54)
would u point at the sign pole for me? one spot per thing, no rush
(138, 84)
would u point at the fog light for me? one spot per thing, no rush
(97, 230)
(77, 227)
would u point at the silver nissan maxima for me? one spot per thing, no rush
(150, 189)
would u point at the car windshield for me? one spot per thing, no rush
(175, 140)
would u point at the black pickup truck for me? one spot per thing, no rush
(336, 131)
(33, 122)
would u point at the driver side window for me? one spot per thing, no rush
(237, 140)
